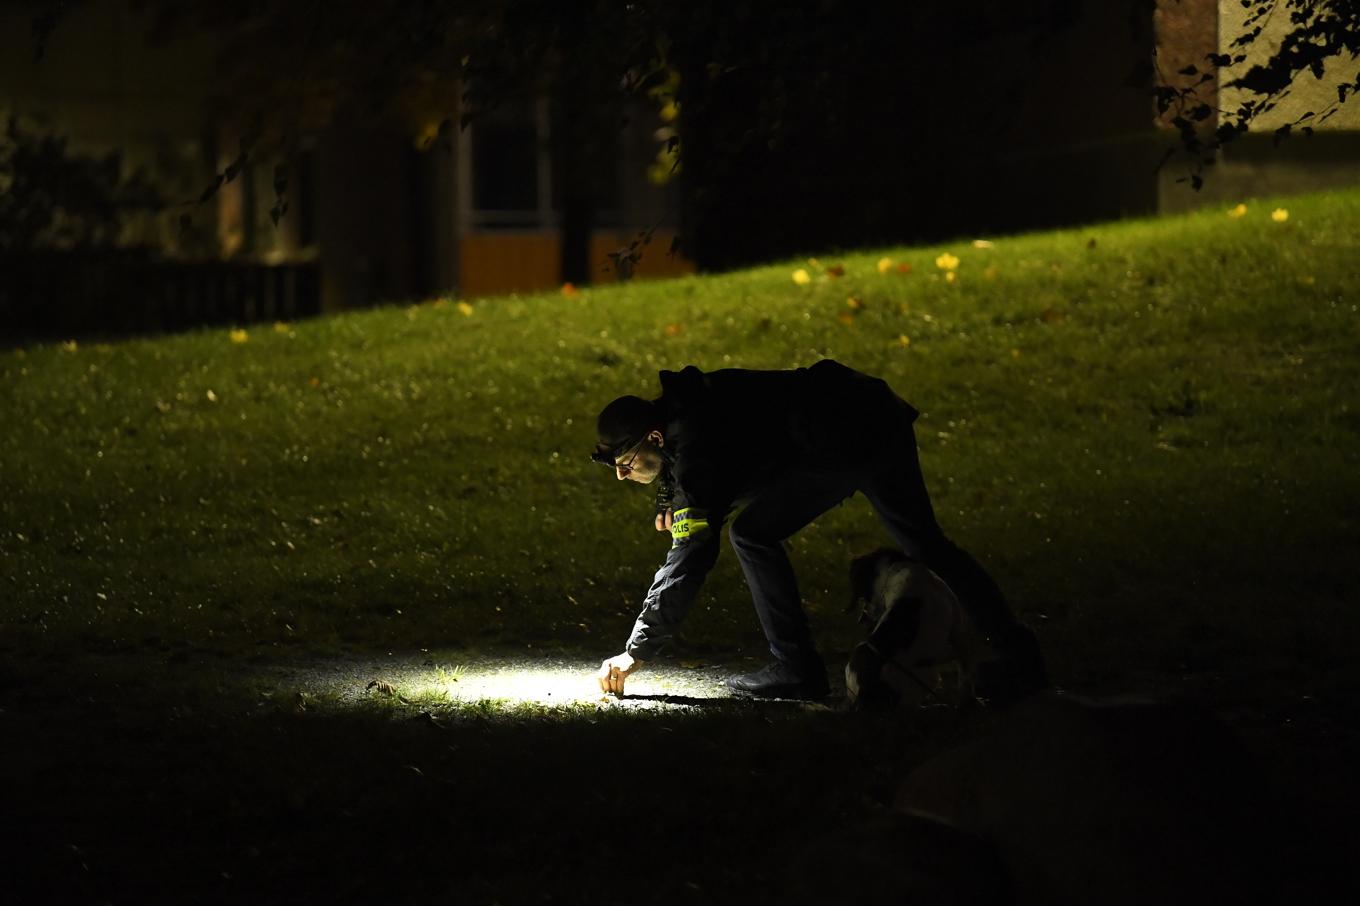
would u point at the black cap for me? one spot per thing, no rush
(621, 425)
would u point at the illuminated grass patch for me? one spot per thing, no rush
(487, 684)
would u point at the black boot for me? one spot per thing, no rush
(806, 681)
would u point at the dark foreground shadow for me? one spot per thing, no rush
(738, 702)
(688, 701)
(200, 782)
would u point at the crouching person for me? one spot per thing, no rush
(767, 452)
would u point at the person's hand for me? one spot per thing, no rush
(664, 520)
(615, 670)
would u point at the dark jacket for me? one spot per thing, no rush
(730, 433)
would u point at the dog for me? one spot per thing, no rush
(918, 631)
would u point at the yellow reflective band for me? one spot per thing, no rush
(685, 526)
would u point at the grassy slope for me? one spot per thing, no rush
(1147, 430)
(1151, 441)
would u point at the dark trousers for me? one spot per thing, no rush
(896, 489)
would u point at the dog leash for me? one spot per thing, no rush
(891, 662)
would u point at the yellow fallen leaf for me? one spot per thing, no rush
(903, 340)
(1279, 215)
(884, 265)
(465, 308)
(239, 336)
(982, 243)
(212, 397)
(1238, 211)
(801, 277)
(947, 262)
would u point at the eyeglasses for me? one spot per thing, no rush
(610, 456)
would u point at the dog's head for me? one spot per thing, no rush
(864, 573)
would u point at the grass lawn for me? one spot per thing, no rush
(1148, 431)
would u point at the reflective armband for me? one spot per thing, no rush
(688, 525)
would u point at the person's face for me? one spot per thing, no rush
(641, 463)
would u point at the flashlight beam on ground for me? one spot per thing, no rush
(451, 680)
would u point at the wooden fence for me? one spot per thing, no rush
(53, 294)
